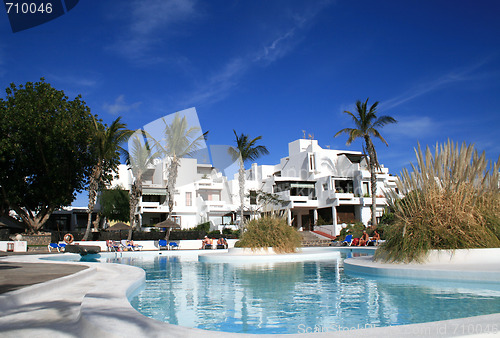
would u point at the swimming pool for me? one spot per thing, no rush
(295, 297)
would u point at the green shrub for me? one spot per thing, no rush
(321, 221)
(214, 233)
(203, 227)
(381, 229)
(387, 218)
(452, 202)
(355, 229)
(227, 231)
(270, 232)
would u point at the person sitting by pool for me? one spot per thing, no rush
(132, 246)
(221, 243)
(376, 237)
(206, 243)
(364, 239)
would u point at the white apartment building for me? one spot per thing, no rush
(313, 183)
(321, 183)
(201, 194)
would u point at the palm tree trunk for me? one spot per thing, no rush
(89, 222)
(373, 163)
(241, 181)
(172, 178)
(373, 183)
(93, 185)
(97, 221)
(135, 194)
(167, 234)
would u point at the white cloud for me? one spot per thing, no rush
(120, 106)
(219, 85)
(147, 25)
(74, 80)
(75, 84)
(459, 75)
(148, 16)
(412, 126)
(278, 48)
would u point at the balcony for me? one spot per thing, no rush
(340, 195)
(298, 201)
(368, 200)
(208, 184)
(150, 205)
(213, 206)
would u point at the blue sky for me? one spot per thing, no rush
(276, 68)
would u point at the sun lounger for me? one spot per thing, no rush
(56, 246)
(162, 244)
(347, 241)
(173, 246)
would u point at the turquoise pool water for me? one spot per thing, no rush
(295, 297)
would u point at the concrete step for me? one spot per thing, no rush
(316, 243)
(324, 234)
(309, 239)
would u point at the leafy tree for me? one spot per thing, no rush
(245, 150)
(115, 204)
(366, 123)
(45, 156)
(108, 148)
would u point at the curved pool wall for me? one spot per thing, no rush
(473, 265)
(242, 256)
(106, 310)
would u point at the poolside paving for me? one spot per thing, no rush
(14, 276)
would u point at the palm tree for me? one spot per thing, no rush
(108, 145)
(181, 140)
(366, 123)
(245, 150)
(141, 157)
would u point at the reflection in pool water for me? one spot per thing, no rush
(295, 297)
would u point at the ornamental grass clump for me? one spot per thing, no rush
(451, 201)
(270, 232)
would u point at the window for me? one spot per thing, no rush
(151, 198)
(209, 195)
(177, 219)
(344, 186)
(253, 197)
(189, 199)
(366, 189)
(312, 164)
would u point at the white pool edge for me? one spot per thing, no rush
(106, 310)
